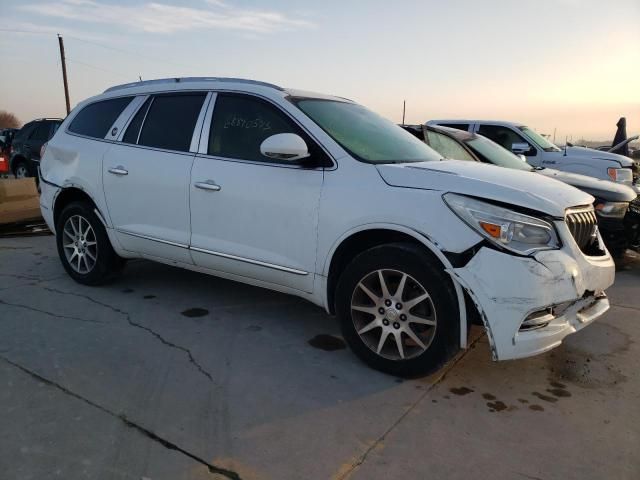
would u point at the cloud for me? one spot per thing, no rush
(161, 18)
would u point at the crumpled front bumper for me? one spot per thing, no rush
(508, 289)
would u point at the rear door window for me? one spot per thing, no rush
(96, 119)
(131, 135)
(170, 121)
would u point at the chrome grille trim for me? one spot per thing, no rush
(581, 223)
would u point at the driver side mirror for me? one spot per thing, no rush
(288, 147)
(520, 148)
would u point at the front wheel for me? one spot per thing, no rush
(398, 310)
(84, 247)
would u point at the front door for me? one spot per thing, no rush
(146, 177)
(250, 216)
(506, 137)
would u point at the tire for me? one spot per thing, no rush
(435, 320)
(21, 170)
(95, 262)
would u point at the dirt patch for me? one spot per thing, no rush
(536, 408)
(488, 396)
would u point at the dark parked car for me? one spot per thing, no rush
(25, 149)
(6, 138)
(617, 206)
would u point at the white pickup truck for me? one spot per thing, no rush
(540, 152)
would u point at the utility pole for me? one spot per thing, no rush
(404, 107)
(64, 72)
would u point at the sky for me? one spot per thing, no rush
(569, 66)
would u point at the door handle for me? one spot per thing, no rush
(208, 185)
(119, 170)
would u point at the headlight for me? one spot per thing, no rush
(620, 175)
(612, 209)
(503, 227)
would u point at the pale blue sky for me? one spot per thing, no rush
(570, 64)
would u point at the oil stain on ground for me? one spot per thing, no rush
(488, 396)
(460, 390)
(559, 392)
(536, 408)
(127, 290)
(496, 406)
(195, 312)
(546, 398)
(148, 297)
(328, 343)
(254, 328)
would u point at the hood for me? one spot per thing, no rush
(601, 189)
(515, 187)
(583, 153)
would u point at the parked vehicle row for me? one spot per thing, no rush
(618, 223)
(24, 154)
(6, 137)
(316, 196)
(540, 152)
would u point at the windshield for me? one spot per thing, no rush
(365, 135)
(493, 153)
(539, 140)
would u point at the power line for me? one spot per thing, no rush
(128, 52)
(107, 47)
(84, 64)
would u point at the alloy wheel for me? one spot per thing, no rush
(393, 314)
(80, 244)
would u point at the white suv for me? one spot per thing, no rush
(316, 196)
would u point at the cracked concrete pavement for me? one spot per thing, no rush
(168, 374)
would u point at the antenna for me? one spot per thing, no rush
(404, 108)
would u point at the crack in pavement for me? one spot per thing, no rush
(33, 309)
(346, 474)
(163, 340)
(127, 422)
(35, 281)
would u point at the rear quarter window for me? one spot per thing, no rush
(95, 119)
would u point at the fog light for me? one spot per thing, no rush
(539, 319)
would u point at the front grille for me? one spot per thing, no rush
(635, 206)
(582, 225)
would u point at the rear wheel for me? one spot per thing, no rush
(398, 310)
(21, 170)
(84, 247)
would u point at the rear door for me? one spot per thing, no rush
(251, 216)
(146, 176)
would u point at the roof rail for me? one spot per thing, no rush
(191, 79)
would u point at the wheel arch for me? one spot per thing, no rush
(73, 194)
(364, 237)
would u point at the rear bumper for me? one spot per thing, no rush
(48, 193)
(508, 290)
